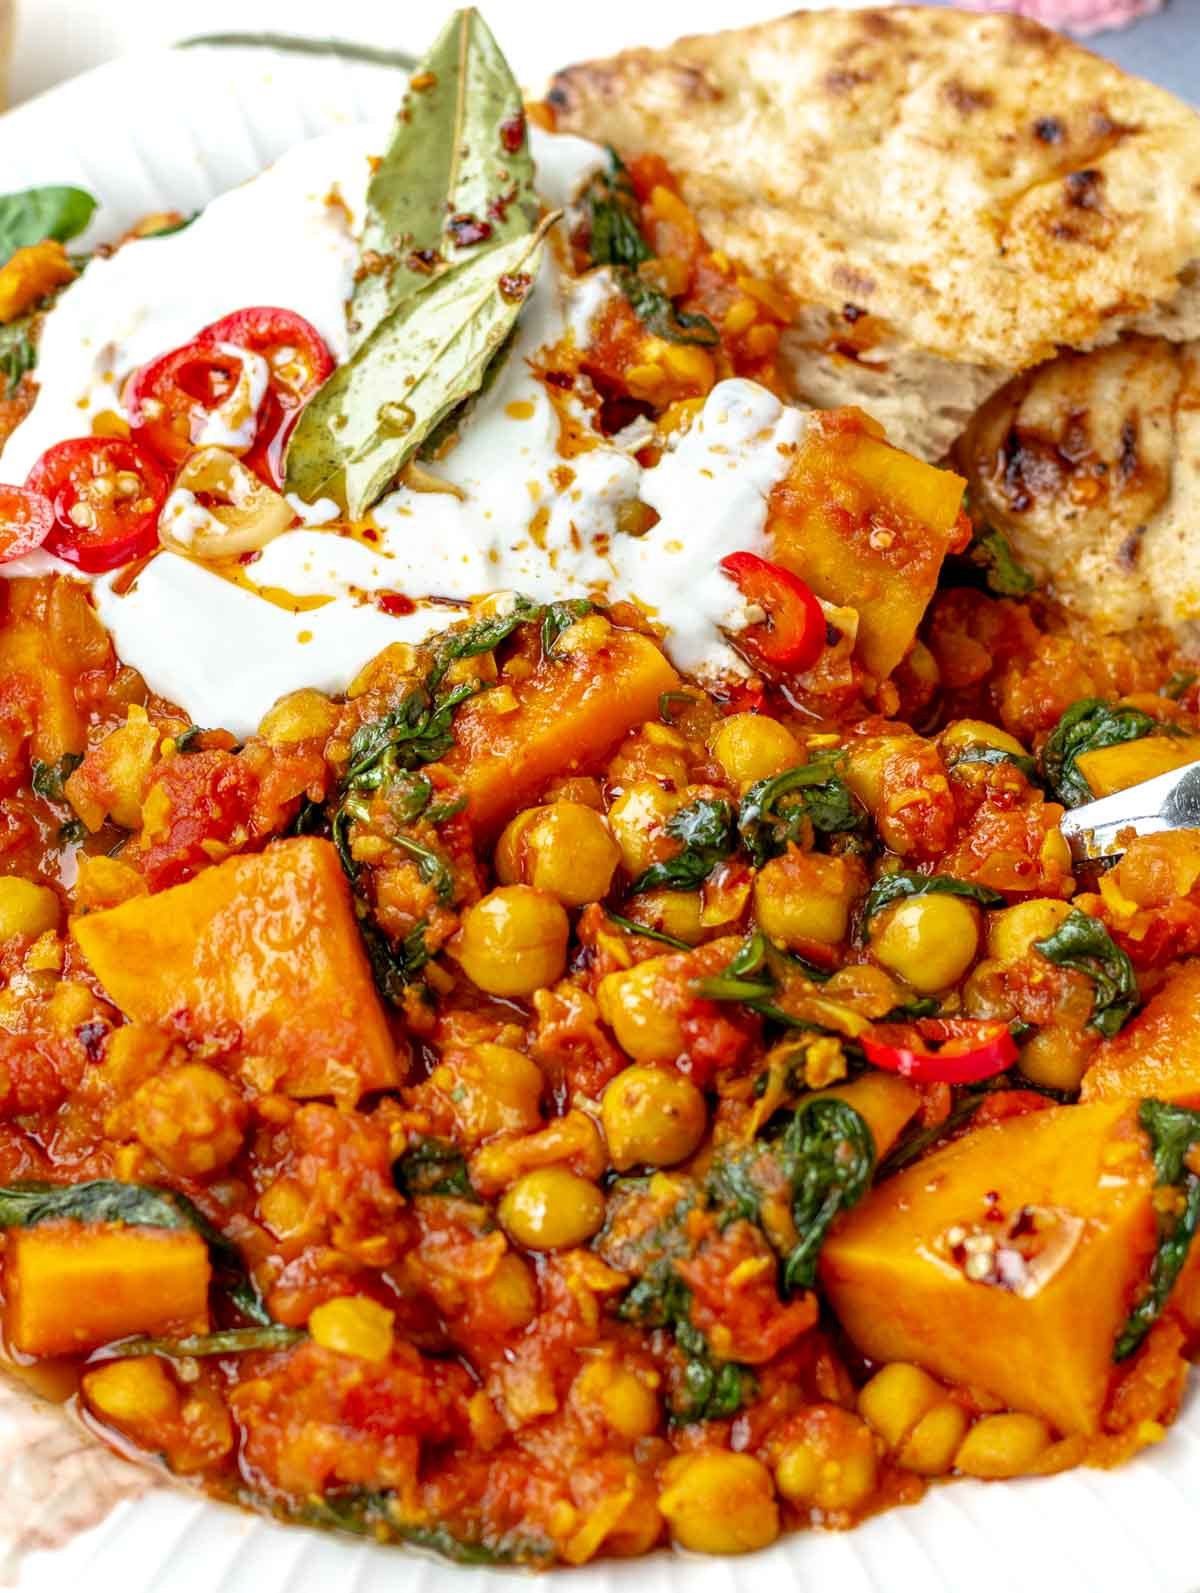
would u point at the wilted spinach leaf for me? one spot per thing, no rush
(1087, 725)
(35, 214)
(706, 829)
(658, 314)
(990, 550)
(781, 809)
(48, 779)
(1173, 1131)
(433, 1167)
(889, 888)
(1082, 943)
(614, 227)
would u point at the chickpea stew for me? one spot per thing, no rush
(548, 1100)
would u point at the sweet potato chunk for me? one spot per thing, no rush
(1110, 769)
(1058, 1207)
(571, 712)
(867, 526)
(1158, 1053)
(886, 1102)
(71, 1286)
(267, 944)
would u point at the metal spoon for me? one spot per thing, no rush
(1104, 828)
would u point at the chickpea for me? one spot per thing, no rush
(624, 1398)
(26, 908)
(563, 848)
(493, 1089)
(132, 1392)
(300, 716)
(832, 1464)
(752, 747)
(1011, 934)
(192, 1119)
(896, 1398)
(635, 1004)
(929, 941)
(965, 733)
(551, 1209)
(354, 1325)
(804, 896)
(1057, 1058)
(676, 913)
(636, 820)
(716, 1502)
(1002, 1446)
(930, 1448)
(514, 941)
(653, 1117)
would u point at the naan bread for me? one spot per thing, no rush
(986, 190)
(1090, 465)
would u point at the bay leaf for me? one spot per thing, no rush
(456, 178)
(428, 354)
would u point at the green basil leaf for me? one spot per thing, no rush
(1082, 943)
(1088, 725)
(779, 810)
(35, 214)
(458, 168)
(990, 550)
(426, 356)
(890, 888)
(140, 1205)
(658, 315)
(705, 827)
(1172, 1131)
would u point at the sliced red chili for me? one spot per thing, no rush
(26, 519)
(298, 361)
(793, 633)
(106, 494)
(970, 1049)
(167, 400)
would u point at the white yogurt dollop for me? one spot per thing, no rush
(520, 515)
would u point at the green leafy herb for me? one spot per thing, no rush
(610, 204)
(370, 1513)
(825, 1155)
(990, 550)
(668, 701)
(559, 617)
(140, 1205)
(1087, 725)
(456, 179)
(72, 833)
(910, 1147)
(788, 805)
(909, 1011)
(49, 779)
(749, 978)
(229, 1341)
(430, 867)
(712, 1390)
(1173, 1131)
(433, 1167)
(423, 358)
(658, 314)
(394, 967)
(189, 740)
(35, 214)
(889, 888)
(633, 928)
(705, 828)
(993, 756)
(482, 637)
(1082, 943)
(17, 354)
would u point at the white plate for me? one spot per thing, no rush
(169, 129)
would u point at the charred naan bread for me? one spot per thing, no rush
(1090, 465)
(951, 197)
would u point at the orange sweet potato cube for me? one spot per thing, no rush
(571, 712)
(1059, 1207)
(1158, 1053)
(267, 943)
(71, 1286)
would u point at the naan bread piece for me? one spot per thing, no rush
(952, 197)
(1090, 465)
